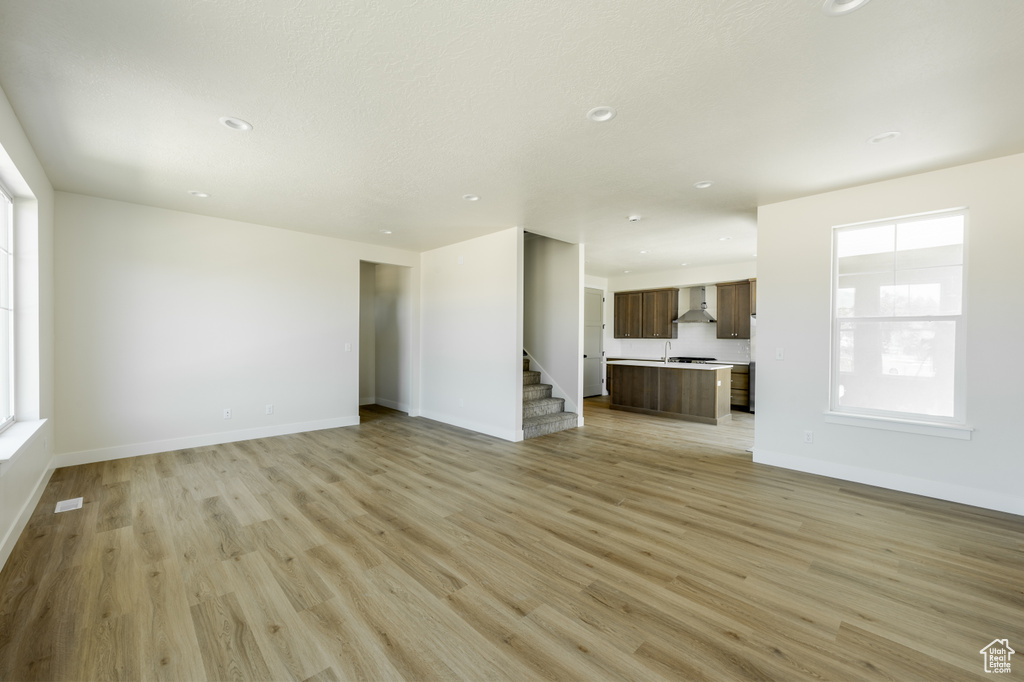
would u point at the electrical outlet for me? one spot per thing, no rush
(348, 347)
(227, 413)
(270, 409)
(808, 436)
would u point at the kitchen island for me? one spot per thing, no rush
(680, 390)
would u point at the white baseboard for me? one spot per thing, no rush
(153, 447)
(950, 492)
(486, 429)
(384, 402)
(367, 400)
(14, 532)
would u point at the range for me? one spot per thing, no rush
(699, 361)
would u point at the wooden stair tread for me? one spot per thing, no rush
(550, 418)
(537, 401)
(542, 413)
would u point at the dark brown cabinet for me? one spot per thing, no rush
(739, 388)
(734, 310)
(689, 394)
(646, 314)
(628, 315)
(636, 387)
(660, 308)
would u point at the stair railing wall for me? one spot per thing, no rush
(556, 390)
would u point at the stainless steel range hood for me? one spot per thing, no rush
(698, 311)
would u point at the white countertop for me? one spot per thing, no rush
(619, 358)
(670, 365)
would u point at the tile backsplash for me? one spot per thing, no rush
(696, 340)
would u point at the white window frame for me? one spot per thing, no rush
(953, 427)
(7, 204)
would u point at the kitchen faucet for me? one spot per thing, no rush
(668, 345)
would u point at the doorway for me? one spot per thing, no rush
(593, 333)
(385, 336)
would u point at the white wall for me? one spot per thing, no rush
(794, 271)
(367, 333)
(472, 336)
(393, 332)
(29, 443)
(553, 315)
(684, 277)
(166, 318)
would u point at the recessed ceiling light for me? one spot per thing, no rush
(198, 194)
(470, 197)
(633, 218)
(837, 8)
(643, 252)
(235, 123)
(684, 263)
(724, 239)
(601, 114)
(385, 231)
(625, 272)
(884, 137)
(703, 184)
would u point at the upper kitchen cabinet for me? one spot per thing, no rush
(660, 308)
(646, 314)
(734, 310)
(628, 315)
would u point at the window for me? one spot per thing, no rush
(6, 312)
(897, 318)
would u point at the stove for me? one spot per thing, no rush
(698, 361)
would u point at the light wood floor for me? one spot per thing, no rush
(635, 548)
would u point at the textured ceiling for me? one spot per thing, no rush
(381, 115)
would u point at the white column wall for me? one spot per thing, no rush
(472, 334)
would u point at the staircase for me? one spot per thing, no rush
(542, 414)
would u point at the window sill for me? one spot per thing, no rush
(16, 440)
(905, 425)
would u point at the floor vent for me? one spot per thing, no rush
(68, 505)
